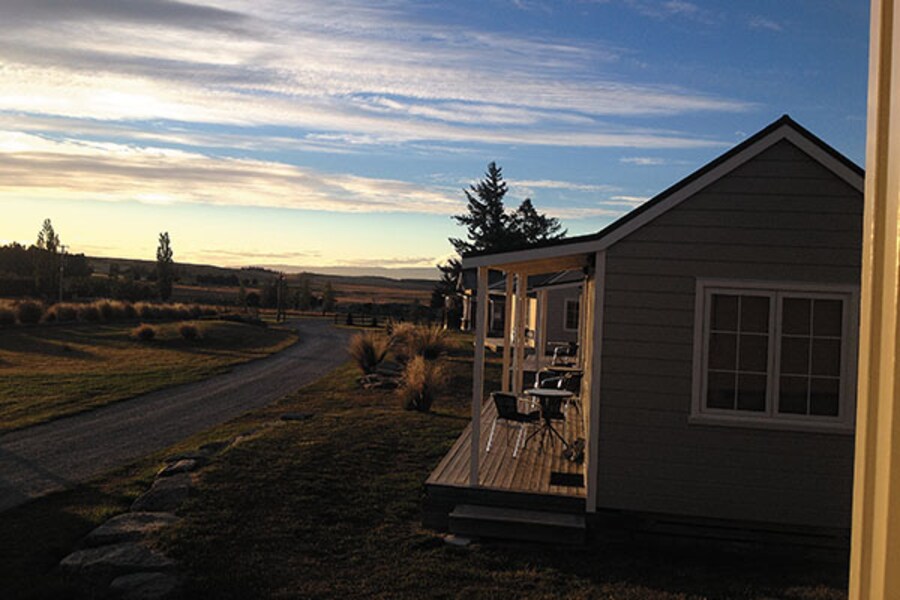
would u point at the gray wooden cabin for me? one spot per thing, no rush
(720, 327)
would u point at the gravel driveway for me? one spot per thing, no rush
(49, 457)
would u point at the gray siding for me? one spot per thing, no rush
(556, 314)
(781, 216)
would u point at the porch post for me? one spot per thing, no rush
(594, 337)
(521, 314)
(540, 336)
(507, 331)
(478, 374)
(875, 541)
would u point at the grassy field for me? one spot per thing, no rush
(331, 507)
(49, 372)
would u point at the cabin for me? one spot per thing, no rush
(718, 327)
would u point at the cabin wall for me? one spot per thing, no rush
(556, 314)
(779, 217)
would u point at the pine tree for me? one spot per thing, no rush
(46, 260)
(528, 226)
(486, 221)
(165, 274)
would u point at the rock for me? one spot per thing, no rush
(166, 494)
(198, 456)
(456, 540)
(129, 527)
(102, 565)
(146, 586)
(185, 465)
(297, 416)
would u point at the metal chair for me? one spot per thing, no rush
(507, 406)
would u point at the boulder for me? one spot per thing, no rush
(185, 465)
(129, 527)
(166, 494)
(146, 586)
(102, 565)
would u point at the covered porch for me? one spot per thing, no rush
(540, 477)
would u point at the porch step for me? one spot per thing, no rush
(517, 524)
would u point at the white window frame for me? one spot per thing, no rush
(565, 316)
(770, 418)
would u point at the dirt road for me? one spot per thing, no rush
(49, 457)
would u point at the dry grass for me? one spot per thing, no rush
(422, 383)
(409, 340)
(51, 371)
(143, 333)
(368, 350)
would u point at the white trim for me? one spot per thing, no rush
(776, 291)
(478, 377)
(596, 340)
(785, 132)
(565, 315)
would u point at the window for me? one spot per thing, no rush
(570, 322)
(774, 356)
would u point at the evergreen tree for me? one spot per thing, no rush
(46, 260)
(47, 238)
(486, 221)
(165, 267)
(528, 226)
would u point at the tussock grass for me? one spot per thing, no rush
(368, 350)
(422, 382)
(143, 333)
(29, 312)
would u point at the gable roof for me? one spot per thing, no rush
(784, 128)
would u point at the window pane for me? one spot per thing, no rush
(795, 315)
(792, 395)
(720, 390)
(823, 397)
(754, 353)
(826, 357)
(724, 312)
(794, 356)
(827, 317)
(722, 351)
(755, 314)
(751, 393)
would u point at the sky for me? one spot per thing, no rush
(341, 133)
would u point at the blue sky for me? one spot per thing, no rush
(341, 133)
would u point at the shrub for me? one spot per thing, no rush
(368, 350)
(105, 309)
(421, 384)
(210, 311)
(143, 332)
(7, 316)
(196, 311)
(29, 312)
(146, 310)
(128, 311)
(188, 331)
(61, 313)
(88, 313)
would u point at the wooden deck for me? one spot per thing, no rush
(527, 473)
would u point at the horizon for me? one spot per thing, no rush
(342, 135)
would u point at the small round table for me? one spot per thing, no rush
(543, 397)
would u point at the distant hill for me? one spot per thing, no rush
(210, 283)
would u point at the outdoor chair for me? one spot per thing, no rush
(508, 412)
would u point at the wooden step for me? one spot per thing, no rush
(517, 524)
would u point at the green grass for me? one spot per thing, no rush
(331, 508)
(52, 371)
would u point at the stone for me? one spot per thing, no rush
(198, 456)
(129, 527)
(146, 586)
(185, 465)
(166, 494)
(297, 416)
(103, 564)
(457, 540)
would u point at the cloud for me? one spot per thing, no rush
(33, 166)
(758, 22)
(643, 161)
(561, 185)
(666, 9)
(628, 200)
(380, 76)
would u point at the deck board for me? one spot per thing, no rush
(529, 472)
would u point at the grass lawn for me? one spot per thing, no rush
(51, 371)
(331, 507)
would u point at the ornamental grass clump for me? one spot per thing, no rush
(7, 316)
(429, 342)
(143, 332)
(29, 312)
(368, 350)
(188, 331)
(88, 313)
(62, 312)
(421, 384)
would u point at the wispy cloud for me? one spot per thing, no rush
(38, 167)
(645, 161)
(380, 76)
(561, 185)
(666, 9)
(758, 22)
